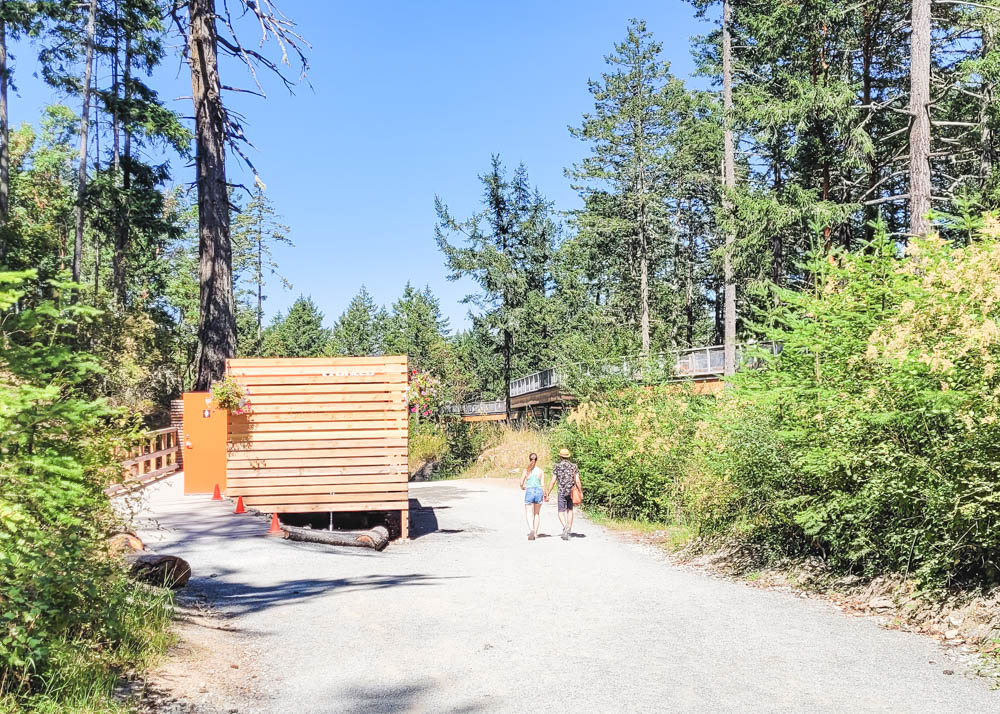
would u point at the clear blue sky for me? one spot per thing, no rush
(408, 100)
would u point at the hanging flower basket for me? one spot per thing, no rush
(228, 394)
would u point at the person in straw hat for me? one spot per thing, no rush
(565, 475)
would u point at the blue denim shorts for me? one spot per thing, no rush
(533, 495)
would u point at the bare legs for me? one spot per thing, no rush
(532, 516)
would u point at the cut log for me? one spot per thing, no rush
(163, 570)
(125, 542)
(377, 537)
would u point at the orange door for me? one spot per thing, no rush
(204, 444)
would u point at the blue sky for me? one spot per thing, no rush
(409, 100)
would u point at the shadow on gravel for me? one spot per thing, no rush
(242, 598)
(365, 700)
(423, 520)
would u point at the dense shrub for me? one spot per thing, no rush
(872, 439)
(69, 619)
(633, 447)
(450, 443)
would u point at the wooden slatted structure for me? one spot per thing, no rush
(322, 434)
(154, 457)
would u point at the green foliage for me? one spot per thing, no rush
(465, 442)
(228, 394)
(256, 230)
(300, 333)
(360, 330)
(632, 447)
(68, 616)
(507, 249)
(869, 440)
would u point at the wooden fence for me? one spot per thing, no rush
(322, 434)
(154, 457)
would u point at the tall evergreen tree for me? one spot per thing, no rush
(299, 333)
(636, 109)
(360, 330)
(417, 328)
(507, 250)
(257, 229)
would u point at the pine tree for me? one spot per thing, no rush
(257, 228)
(636, 108)
(417, 328)
(299, 333)
(507, 250)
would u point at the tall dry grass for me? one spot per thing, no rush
(509, 454)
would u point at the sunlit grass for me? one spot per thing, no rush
(508, 457)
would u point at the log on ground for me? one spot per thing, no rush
(163, 570)
(376, 537)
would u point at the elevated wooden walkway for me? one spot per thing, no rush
(544, 393)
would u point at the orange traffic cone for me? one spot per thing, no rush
(239, 505)
(275, 528)
(216, 495)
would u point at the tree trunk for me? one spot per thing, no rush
(119, 260)
(4, 144)
(986, 157)
(867, 58)
(729, 182)
(508, 347)
(217, 320)
(644, 293)
(920, 126)
(260, 269)
(81, 175)
(777, 254)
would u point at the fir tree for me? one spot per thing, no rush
(360, 330)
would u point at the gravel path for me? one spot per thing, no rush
(469, 616)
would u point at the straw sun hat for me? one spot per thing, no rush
(564, 453)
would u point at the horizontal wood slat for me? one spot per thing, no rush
(322, 434)
(350, 490)
(335, 507)
(382, 420)
(281, 477)
(276, 363)
(316, 439)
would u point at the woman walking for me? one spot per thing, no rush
(531, 484)
(566, 475)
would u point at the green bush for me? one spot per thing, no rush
(69, 618)
(632, 448)
(871, 440)
(465, 442)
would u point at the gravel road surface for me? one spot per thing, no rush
(469, 616)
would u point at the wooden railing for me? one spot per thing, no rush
(482, 408)
(682, 364)
(156, 456)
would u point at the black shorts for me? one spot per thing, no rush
(565, 501)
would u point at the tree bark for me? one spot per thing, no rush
(217, 321)
(81, 175)
(729, 183)
(260, 269)
(119, 260)
(920, 126)
(4, 144)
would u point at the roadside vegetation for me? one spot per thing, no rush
(869, 441)
(71, 622)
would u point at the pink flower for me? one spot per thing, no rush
(413, 409)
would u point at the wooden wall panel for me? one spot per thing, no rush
(322, 434)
